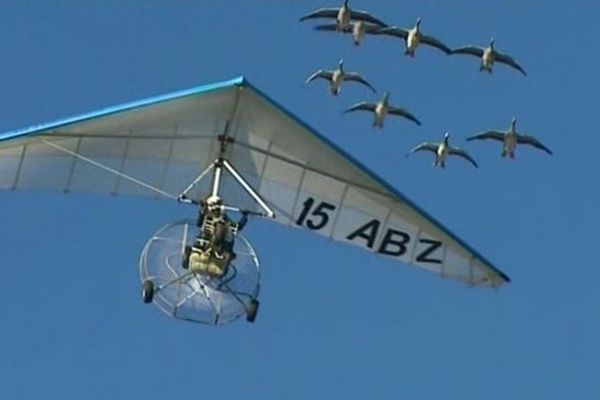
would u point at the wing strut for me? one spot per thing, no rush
(217, 167)
(240, 179)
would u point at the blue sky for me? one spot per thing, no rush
(334, 321)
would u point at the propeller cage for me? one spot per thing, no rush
(203, 290)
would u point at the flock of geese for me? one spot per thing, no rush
(359, 24)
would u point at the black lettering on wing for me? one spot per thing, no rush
(368, 232)
(394, 243)
(425, 255)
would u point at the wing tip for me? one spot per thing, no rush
(503, 278)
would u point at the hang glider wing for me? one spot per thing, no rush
(157, 146)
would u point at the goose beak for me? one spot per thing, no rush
(418, 21)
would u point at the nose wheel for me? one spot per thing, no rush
(252, 310)
(148, 291)
(187, 251)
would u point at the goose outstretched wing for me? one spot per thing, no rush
(353, 76)
(332, 28)
(321, 13)
(426, 146)
(456, 151)
(530, 140)
(362, 106)
(508, 60)
(322, 74)
(395, 31)
(495, 135)
(403, 113)
(372, 29)
(470, 50)
(431, 41)
(360, 15)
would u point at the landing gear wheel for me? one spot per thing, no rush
(148, 291)
(252, 310)
(186, 257)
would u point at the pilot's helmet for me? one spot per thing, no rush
(214, 204)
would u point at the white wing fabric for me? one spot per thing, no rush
(157, 146)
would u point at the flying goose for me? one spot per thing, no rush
(343, 15)
(381, 109)
(442, 150)
(488, 56)
(358, 30)
(337, 77)
(413, 37)
(510, 139)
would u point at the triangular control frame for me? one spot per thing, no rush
(220, 165)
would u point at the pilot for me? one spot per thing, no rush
(217, 228)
